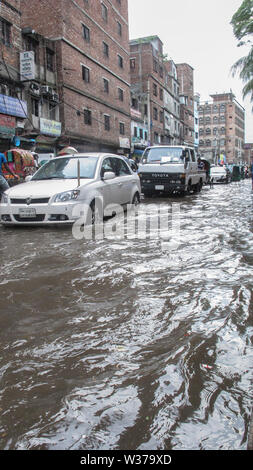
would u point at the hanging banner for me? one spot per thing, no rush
(13, 106)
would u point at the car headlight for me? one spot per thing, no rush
(4, 198)
(67, 196)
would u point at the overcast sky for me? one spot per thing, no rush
(199, 33)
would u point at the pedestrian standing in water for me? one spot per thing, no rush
(3, 183)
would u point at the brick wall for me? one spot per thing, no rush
(10, 12)
(84, 33)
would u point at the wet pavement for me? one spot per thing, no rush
(124, 344)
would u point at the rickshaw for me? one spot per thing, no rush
(236, 173)
(21, 162)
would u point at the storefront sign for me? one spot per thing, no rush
(124, 142)
(50, 127)
(13, 106)
(27, 66)
(135, 113)
(7, 125)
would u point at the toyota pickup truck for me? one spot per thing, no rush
(170, 170)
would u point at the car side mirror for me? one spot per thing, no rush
(108, 175)
(28, 178)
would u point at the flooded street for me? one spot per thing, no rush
(120, 344)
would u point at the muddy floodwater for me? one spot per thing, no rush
(127, 344)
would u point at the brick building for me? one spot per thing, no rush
(222, 128)
(91, 54)
(248, 152)
(13, 109)
(185, 75)
(147, 85)
(162, 92)
(155, 91)
(27, 74)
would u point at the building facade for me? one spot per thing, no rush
(91, 45)
(147, 85)
(222, 128)
(13, 108)
(155, 92)
(185, 75)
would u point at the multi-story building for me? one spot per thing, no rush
(185, 75)
(13, 108)
(155, 92)
(196, 120)
(222, 128)
(91, 45)
(28, 100)
(248, 152)
(147, 84)
(172, 125)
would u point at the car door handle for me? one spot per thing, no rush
(120, 184)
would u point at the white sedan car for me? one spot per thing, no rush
(64, 184)
(220, 174)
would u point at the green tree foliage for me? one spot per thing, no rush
(242, 22)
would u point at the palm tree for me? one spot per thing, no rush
(242, 22)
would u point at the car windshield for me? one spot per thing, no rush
(163, 155)
(67, 168)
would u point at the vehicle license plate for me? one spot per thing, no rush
(159, 187)
(28, 212)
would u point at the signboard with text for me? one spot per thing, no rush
(48, 127)
(13, 106)
(27, 66)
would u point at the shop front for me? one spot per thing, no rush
(11, 111)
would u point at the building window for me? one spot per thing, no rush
(132, 64)
(120, 61)
(86, 74)
(155, 114)
(87, 117)
(121, 94)
(104, 12)
(155, 66)
(105, 49)
(5, 32)
(107, 122)
(50, 60)
(35, 107)
(119, 28)
(161, 94)
(32, 45)
(106, 85)
(122, 128)
(161, 116)
(154, 89)
(86, 33)
(52, 111)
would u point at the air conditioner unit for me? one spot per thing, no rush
(46, 90)
(55, 97)
(35, 88)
